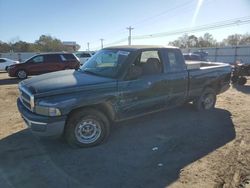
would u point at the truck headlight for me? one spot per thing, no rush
(54, 111)
(47, 109)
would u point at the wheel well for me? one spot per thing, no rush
(105, 108)
(21, 70)
(215, 86)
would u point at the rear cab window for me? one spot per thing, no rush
(175, 60)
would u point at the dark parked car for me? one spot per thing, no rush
(117, 83)
(192, 57)
(44, 63)
(196, 56)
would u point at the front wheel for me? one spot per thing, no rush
(206, 101)
(87, 128)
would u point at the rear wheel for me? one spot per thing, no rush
(6, 68)
(21, 74)
(87, 128)
(206, 101)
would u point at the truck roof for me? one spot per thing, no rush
(137, 47)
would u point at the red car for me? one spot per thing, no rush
(44, 63)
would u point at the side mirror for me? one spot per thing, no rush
(134, 72)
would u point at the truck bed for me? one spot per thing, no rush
(202, 64)
(207, 73)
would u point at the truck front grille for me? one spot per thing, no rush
(26, 98)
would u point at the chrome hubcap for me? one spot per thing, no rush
(208, 101)
(21, 74)
(88, 131)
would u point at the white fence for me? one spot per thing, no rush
(22, 56)
(220, 54)
(225, 54)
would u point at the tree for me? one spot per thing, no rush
(176, 43)
(49, 44)
(237, 39)
(245, 40)
(233, 40)
(193, 41)
(181, 42)
(207, 41)
(20, 46)
(4, 47)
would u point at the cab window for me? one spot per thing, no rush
(149, 62)
(175, 61)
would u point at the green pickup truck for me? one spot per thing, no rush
(115, 84)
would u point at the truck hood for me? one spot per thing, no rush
(62, 82)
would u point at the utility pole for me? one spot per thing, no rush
(101, 43)
(129, 36)
(88, 46)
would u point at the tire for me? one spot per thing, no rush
(6, 69)
(21, 74)
(87, 128)
(242, 81)
(234, 79)
(206, 101)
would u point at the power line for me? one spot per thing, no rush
(113, 43)
(211, 26)
(164, 12)
(149, 18)
(217, 25)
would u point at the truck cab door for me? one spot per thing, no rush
(176, 77)
(145, 93)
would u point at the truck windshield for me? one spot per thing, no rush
(105, 63)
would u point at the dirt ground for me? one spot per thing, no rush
(176, 148)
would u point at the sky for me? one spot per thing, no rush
(88, 21)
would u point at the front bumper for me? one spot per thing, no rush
(42, 125)
(11, 72)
